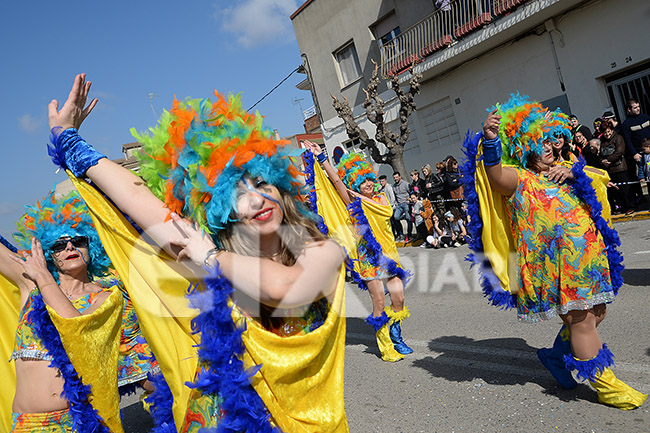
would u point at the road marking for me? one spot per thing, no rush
(642, 252)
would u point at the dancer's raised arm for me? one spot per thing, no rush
(502, 179)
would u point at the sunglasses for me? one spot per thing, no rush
(62, 243)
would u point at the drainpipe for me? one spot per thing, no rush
(550, 28)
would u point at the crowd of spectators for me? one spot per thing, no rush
(432, 205)
(622, 149)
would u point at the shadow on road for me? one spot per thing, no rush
(135, 419)
(636, 277)
(498, 361)
(357, 325)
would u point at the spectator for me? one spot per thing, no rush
(645, 155)
(453, 182)
(417, 209)
(608, 115)
(612, 148)
(591, 154)
(597, 122)
(417, 185)
(441, 235)
(435, 187)
(635, 128)
(456, 226)
(580, 141)
(401, 210)
(576, 126)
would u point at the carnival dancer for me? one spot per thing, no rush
(551, 216)
(68, 327)
(271, 330)
(377, 261)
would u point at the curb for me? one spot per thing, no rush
(636, 216)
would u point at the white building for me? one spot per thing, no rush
(582, 56)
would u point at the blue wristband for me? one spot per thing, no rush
(321, 157)
(492, 151)
(68, 150)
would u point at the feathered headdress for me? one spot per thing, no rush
(200, 150)
(524, 128)
(354, 169)
(53, 218)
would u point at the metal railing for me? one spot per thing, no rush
(452, 21)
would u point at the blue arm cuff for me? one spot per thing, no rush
(492, 151)
(68, 150)
(321, 157)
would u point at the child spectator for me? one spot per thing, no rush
(441, 235)
(456, 226)
(416, 211)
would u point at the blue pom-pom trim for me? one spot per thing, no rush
(377, 322)
(160, 402)
(490, 283)
(585, 192)
(85, 418)
(591, 368)
(56, 153)
(220, 353)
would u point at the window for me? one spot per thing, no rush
(386, 32)
(348, 63)
(352, 145)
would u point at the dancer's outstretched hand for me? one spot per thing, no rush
(312, 147)
(74, 111)
(491, 125)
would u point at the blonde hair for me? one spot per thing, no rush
(428, 168)
(296, 232)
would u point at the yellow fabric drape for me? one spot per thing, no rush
(92, 343)
(157, 288)
(337, 219)
(292, 367)
(301, 379)
(9, 310)
(498, 244)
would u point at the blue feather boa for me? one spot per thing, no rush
(160, 402)
(591, 368)
(582, 188)
(585, 192)
(490, 283)
(376, 256)
(85, 418)
(220, 352)
(312, 199)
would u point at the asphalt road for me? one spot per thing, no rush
(474, 367)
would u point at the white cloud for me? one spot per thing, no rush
(258, 22)
(29, 123)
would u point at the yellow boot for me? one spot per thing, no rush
(610, 389)
(615, 392)
(385, 344)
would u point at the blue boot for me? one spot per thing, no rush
(553, 359)
(396, 329)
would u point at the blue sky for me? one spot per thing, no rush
(129, 50)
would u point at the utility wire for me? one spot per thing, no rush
(278, 85)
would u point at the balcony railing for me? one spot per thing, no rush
(311, 111)
(451, 22)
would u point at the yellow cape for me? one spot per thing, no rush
(91, 342)
(336, 217)
(292, 367)
(9, 310)
(498, 244)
